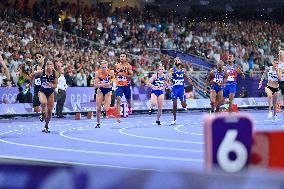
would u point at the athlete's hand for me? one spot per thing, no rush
(49, 84)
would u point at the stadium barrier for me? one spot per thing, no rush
(40, 175)
(84, 107)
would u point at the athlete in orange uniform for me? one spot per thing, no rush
(123, 74)
(103, 81)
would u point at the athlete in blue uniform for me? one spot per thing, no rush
(217, 80)
(157, 82)
(230, 89)
(176, 78)
(48, 77)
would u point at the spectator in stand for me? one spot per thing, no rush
(244, 93)
(81, 78)
(20, 96)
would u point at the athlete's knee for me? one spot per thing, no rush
(49, 112)
(43, 104)
(99, 109)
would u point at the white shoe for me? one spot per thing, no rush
(173, 122)
(270, 115)
(275, 118)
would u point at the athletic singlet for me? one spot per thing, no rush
(45, 78)
(272, 75)
(281, 66)
(232, 73)
(37, 80)
(178, 77)
(104, 77)
(159, 81)
(121, 80)
(218, 77)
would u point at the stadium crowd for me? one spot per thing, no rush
(78, 37)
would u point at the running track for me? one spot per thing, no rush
(136, 143)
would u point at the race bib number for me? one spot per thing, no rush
(37, 81)
(217, 80)
(231, 78)
(178, 82)
(121, 78)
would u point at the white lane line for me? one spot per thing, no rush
(128, 145)
(57, 125)
(154, 138)
(39, 160)
(105, 153)
(186, 132)
(9, 126)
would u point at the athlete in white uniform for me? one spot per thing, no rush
(281, 66)
(272, 88)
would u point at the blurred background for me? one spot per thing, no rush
(78, 34)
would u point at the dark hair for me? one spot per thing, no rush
(40, 53)
(20, 89)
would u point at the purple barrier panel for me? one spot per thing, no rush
(12, 109)
(8, 94)
(88, 107)
(79, 94)
(46, 177)
(141, 93)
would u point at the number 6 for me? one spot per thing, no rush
(230, 144)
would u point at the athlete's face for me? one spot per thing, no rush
(281, 55)
(104, 67)
(161, 70)
(220, 66)
(122, 58)
(230, 58)
(178, 63)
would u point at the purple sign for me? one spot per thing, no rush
(228, 141)
(88, 107)
(79, 94)
(8, 95)
(12, 109)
